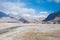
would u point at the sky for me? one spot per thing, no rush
(40, 8)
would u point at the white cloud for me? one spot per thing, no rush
(57, 1)
(16, 8)
(26, 15)
(43, 14)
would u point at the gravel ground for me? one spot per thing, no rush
(31, 32)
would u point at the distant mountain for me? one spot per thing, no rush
(24, 19)
(55, 17)
(8, 20)
(7, 17)
(3, 15)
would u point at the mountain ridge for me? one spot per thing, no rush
(54, 17)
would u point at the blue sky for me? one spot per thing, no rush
(42, 5)
(32, 7)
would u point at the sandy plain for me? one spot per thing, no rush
(18, 31)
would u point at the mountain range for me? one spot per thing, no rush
(3, 15)
(7, 18)
(23, 19)
(53, 17)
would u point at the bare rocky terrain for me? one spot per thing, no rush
(20, 31)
